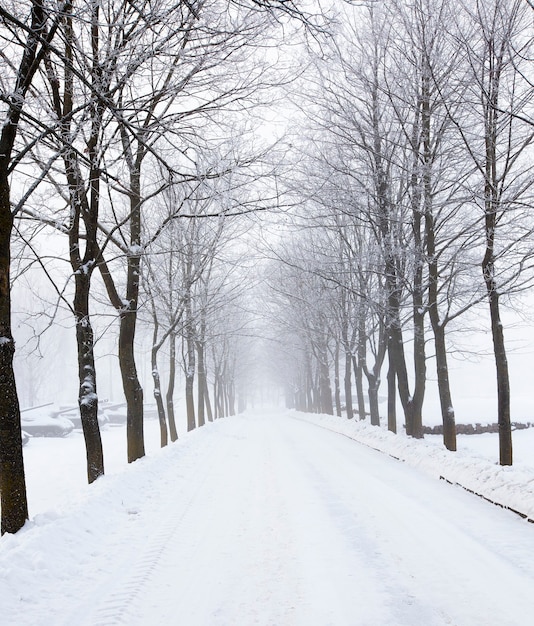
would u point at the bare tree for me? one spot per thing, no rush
(29, 39)
(496, 143)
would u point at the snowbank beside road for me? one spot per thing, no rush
(509, 487)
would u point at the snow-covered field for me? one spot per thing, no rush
(271, 519)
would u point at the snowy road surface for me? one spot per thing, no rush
(270, 520)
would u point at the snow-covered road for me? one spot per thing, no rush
(271, 520)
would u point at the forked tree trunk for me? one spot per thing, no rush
(438, 326)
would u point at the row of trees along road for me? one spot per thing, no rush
(130, 132)
(414, 173)
(109, 112)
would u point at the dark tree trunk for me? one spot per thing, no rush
(392, 395)
(190, 370)
(131, 385)
(215, 398)
(373, 375)
(374, 385)
(207, 400)
(164, 439)
(231, 398)
(84, 210)
(13, 499)
(87, 394)
(492, 206)
(13, 502)
(201, 383)
(438, 326)
(128, 322)
(348, 385)
(309, 387)
(387, 227)
(325, 389)
(501, 361)
(503, 381)
(418, 395)
(190, 401)
(360, 396)
(396, 354)
(337, 392)
(447, 410)
(170, 388)
(347, 350)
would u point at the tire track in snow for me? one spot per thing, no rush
(230, 545)
(119, 607)
(116, 574)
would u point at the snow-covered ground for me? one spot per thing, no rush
(273, 519)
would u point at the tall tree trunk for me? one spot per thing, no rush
(438, 329)
(231, 398)
(84, 199)
(445, 399)
(374, 385)
(207, 400)
(309, 387)
(387, 227)
(438, 326)
(488, 270)
(216, 412)
(87, 394)
(347, 350)
(190, 367)
(503, 380)
(130, 383)
(133, 390)
(14, 505)
(164, 439)
(337, 392)
(396, 354)
(419, 352)
(13, 499)
(491, 208)
(392, 395)
(348, 385)
(170, 388)
(201, 382)
(325, 389)
(360, 396)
